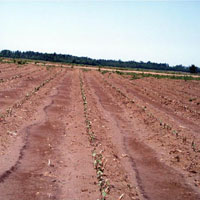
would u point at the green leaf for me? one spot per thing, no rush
(104, 194)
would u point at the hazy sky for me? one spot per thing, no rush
(154, 31)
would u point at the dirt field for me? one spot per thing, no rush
(76, 134)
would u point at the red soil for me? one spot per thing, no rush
(57, 124)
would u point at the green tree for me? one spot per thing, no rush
(193, 69)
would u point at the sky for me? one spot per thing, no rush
(156, 31)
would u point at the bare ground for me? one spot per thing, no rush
(72, 134)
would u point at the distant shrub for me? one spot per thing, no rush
(135, 76)
(158, 76)
(20, 62)
(104, 71)
(120, 73)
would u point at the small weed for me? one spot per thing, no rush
(135, 76)
(193, 145)
(175, 133)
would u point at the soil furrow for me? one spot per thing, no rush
(149, 172)
(22, 115)
(5, 81)
(49, 165)
(91, 135)
(12, 97)
(180, 145)
(8, 68)
(129, 89)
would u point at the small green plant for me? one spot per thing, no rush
(175, 133)
(135, 76)
(97, 157)
(193, 145)
(99, 166)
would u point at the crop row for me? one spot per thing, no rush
(99, 161)
(17, 76)
(154, 119)
(23, 100)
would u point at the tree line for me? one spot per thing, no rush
(53, 57)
